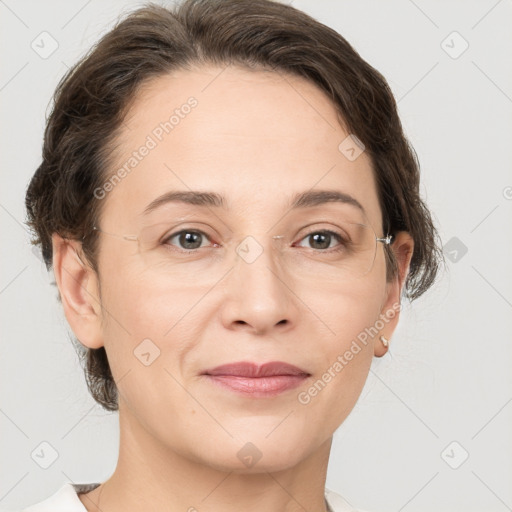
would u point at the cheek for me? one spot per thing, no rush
(344, 352)
(343, 308)
(151, 323)
(139, 302)
(147, 339)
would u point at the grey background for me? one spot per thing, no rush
(447, 377)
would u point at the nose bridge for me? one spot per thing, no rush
(258, 261)
(258, 292)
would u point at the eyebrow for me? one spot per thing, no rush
(317, 197)
(209, 199)
(307, 199)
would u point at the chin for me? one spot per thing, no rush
(258, 456)
(263, 466)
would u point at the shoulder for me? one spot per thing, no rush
(338, 503)
(65, 499)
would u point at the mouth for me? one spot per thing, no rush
(258, 381)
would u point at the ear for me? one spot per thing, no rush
(79, 291)
(402, 247)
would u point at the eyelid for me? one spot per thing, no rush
(322, 227)
(184, 225)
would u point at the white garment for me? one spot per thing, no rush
(66, 500)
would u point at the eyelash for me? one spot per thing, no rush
(337, 236)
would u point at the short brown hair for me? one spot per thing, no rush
(92, 99)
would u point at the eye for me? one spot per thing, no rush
(187, 239)
(322, 240)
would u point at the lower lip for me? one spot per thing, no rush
(259, 386)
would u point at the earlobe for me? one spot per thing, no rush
(403, 247)
(78, 287)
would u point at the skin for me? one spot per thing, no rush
(258, 138)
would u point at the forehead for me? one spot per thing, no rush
(256, 137)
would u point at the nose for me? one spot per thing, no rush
(259, 295)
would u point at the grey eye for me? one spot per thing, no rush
(187, 239)
(322, 239)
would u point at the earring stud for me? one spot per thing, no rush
(385, 341)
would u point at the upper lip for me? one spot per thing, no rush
(254, 370)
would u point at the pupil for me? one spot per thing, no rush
(318, 239)
(187, 239)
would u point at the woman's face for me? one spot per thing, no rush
(176, 307)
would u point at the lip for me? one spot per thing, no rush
(251, 379)
(254, 370)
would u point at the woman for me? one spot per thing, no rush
(232, 214)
